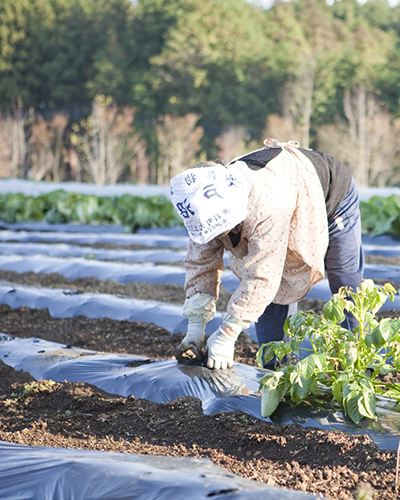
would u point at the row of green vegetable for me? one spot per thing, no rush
(380, 215)
(60, 206)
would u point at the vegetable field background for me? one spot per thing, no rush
(306, 451)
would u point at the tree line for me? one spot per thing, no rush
(114, 90)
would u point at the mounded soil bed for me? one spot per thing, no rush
(77, 415)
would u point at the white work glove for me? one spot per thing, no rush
(190, 347)
(220, 349)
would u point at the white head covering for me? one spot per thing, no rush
(211, 200)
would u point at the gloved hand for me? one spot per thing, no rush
(220, 349)
(190, 347)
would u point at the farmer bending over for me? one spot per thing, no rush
(286, 215)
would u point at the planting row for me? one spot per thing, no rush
(117, 205)
(32, 256)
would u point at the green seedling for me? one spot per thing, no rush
(31, 388)
(35, 387)
(350, 364)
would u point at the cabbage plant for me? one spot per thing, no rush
(350, 364)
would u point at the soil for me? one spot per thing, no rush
(334, 465)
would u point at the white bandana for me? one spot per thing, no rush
(211, 200)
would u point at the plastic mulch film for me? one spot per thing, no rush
(381, 245)
(147, 272)
(162, 237)
(235, 389)
(75, 268)
(151, 240)
(35, 188)
(53, 474)
(66, 228)
(74, 227)
(70, 304)
(66, 250)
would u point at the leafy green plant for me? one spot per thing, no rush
(380, 215)
(351, 364)
(133, 212)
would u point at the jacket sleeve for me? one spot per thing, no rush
(261, 269)
(204, 265)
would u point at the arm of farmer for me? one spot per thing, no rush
(204, 266)
(261, 273)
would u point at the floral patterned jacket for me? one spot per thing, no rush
(281, 250)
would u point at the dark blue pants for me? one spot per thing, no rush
(344, 266)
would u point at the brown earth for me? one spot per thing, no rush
(77, 415)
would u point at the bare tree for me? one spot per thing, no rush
(297, 102)
(231, 143)
(140, 164)
(47, 141)
(14, 145)
(7, 167)
(105, 141)
(368, 141)
(179, 140)
(383, 150)
(282, 128)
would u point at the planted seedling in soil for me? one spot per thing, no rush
(350, 364)
(31, 388)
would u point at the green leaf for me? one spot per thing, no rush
(393, 393)
(259, 356)
(307, 366)
(384, 332)
(264, 380)
(367, 405)
(351, 406)
(313, 386)
(351, 355)
(337, 391)
(299, 389)
(295, 324)
(268, 352)
(294, 344)
(376, 301)
(334, 309)
(272, 392)
(369, 340)
(387, 369)
(320, 361)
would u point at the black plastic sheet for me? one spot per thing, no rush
(66, 228)
(161, 237)
(36, 188)
(75, 268)
(87, 252)
(53, 474)
(151, 239)
(147, 272)
(234, 389)
(63, 303)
